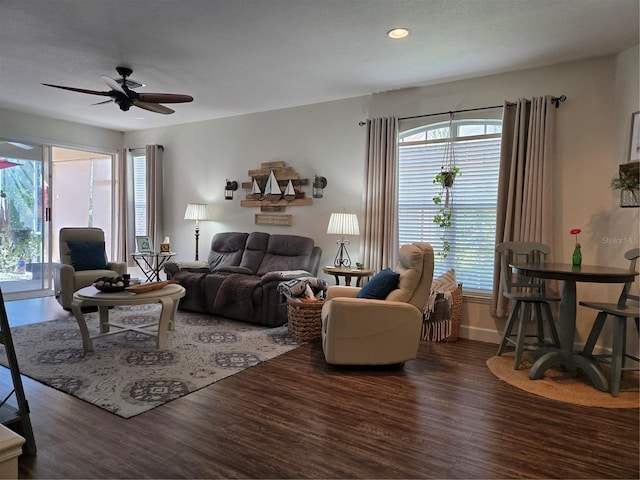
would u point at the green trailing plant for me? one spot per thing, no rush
(446, 177)
(444, 215)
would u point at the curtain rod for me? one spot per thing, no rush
(144, 148)
(556, 100)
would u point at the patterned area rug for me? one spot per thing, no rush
(126, 374)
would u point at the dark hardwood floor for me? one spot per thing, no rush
(443, 415)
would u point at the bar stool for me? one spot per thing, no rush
(526, 292)
(626, 308)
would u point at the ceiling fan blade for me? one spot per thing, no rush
(164, 98)
(154, 107)
(81, 90)
(111, 83)
(102, 103)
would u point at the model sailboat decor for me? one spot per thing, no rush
(290, 192)
(273, 187)
(272, 190)
(256, 193)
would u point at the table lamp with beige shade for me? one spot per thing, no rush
(343, 224)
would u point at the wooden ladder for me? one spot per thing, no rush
(10, 414)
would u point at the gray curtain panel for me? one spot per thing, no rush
(380, 238)
(525, 187)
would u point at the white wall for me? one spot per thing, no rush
(44, 130)
(322, 139)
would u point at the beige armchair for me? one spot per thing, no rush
(67, 279)
(362, 331)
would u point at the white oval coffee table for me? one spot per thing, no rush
(168, 296)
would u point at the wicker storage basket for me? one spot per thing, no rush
(446, 330)
(304, 319)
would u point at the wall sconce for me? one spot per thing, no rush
(229, 189)
(319, 183)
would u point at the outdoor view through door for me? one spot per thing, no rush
(35, 205)
(22, 205)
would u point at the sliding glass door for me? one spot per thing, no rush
(82, 193)
(24, 233)
(42, 189)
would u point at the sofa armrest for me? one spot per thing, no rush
(63, 284)
(342, 291)
(171, 268)
(283, 275)
(119, 267)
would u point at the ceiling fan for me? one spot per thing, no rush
(121, 94)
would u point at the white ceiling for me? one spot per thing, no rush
(242, 56)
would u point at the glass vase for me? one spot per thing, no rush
(577, 256)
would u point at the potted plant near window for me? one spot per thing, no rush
(446, 178)
(627, 182)
(444, 216)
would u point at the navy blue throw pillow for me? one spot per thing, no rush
(87, 255)
(381, 285)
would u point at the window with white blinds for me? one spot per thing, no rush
(472, 200)
(140, 193)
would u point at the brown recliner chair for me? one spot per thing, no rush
(66, 278)
(363, 331)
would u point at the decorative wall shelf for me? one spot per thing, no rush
(283, 174)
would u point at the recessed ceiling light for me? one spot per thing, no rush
(398, 33)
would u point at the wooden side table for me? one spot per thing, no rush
(348, 273)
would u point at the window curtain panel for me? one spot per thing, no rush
(155, 206)
(525, 185)
(380, 195)
(122, 208)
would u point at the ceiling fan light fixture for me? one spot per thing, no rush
(398, 33)
(130, 83)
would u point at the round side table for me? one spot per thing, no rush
(348, 273)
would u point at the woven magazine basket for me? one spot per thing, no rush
(446, 330)
(304, 319)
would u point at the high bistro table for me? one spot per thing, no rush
(168, 296)
(569, 274)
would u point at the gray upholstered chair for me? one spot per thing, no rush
(82, 261)
(626, 308)
(525, 292)
(366, 331)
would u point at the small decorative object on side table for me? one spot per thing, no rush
(347, 273)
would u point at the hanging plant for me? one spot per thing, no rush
(446, 178)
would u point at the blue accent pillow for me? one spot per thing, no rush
(87, 255)
(381, 285)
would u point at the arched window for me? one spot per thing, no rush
(472, 202)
